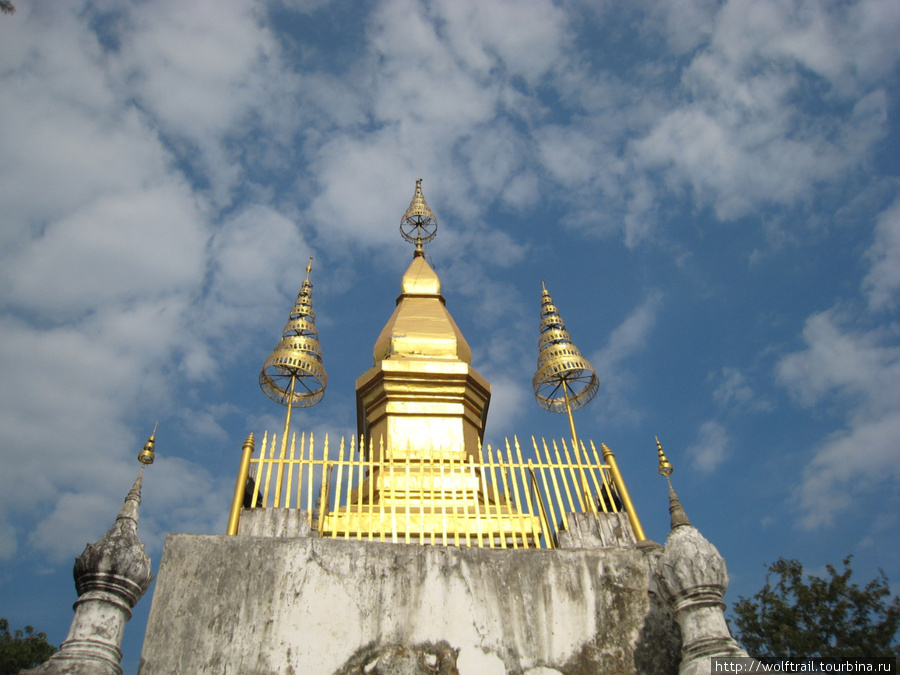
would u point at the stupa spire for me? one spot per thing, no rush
(111, 576)
(692, 580)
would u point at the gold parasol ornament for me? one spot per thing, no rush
(564, 380)
(293, 375)
(418, 225)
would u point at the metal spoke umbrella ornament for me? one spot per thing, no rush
(564, 380)
(293, 375)
(418, 225)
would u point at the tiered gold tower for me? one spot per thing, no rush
(423, 404)
(417, 471)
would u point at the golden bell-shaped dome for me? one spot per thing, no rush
(421, 326)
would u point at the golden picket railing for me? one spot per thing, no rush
(500, 501)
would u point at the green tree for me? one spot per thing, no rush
(24, 649)
(830, 617)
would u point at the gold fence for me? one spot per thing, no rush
(501, 501)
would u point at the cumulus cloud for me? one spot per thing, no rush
(165, 172)
(207, 73)
(107, 251)
(883, 280)
(738, 137)
(859, 371)
(625, 341)
(733, 391)
(711, 447)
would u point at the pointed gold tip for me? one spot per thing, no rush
(309, 268)
(665, 467)
(543, 285)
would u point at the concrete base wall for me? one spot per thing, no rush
(249, 605)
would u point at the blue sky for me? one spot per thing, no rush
(709, 190)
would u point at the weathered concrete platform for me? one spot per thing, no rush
(251, 605)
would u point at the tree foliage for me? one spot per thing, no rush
(7, 7)
(830, 617)
(22, 649)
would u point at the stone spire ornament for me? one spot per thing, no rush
(693, 580)
(111, 576)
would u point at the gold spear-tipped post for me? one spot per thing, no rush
(240, 486)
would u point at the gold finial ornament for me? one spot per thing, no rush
(297, 360)
(677, 514)
(147, 455)
(665, 467)
(564, 380)
(418, 225)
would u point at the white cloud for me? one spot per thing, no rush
(837, 41)
(859, 371)
(206, 73)
(626, 340)
(106, 253)
(530, 44)
(124, 247)
(882, 283)
(850, 463)
(733, 391)
(710, 448)
(509, 397)
(747, 135)
(686, 23)
(859, 366)
(257, 260)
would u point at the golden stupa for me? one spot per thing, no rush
(417, 472)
